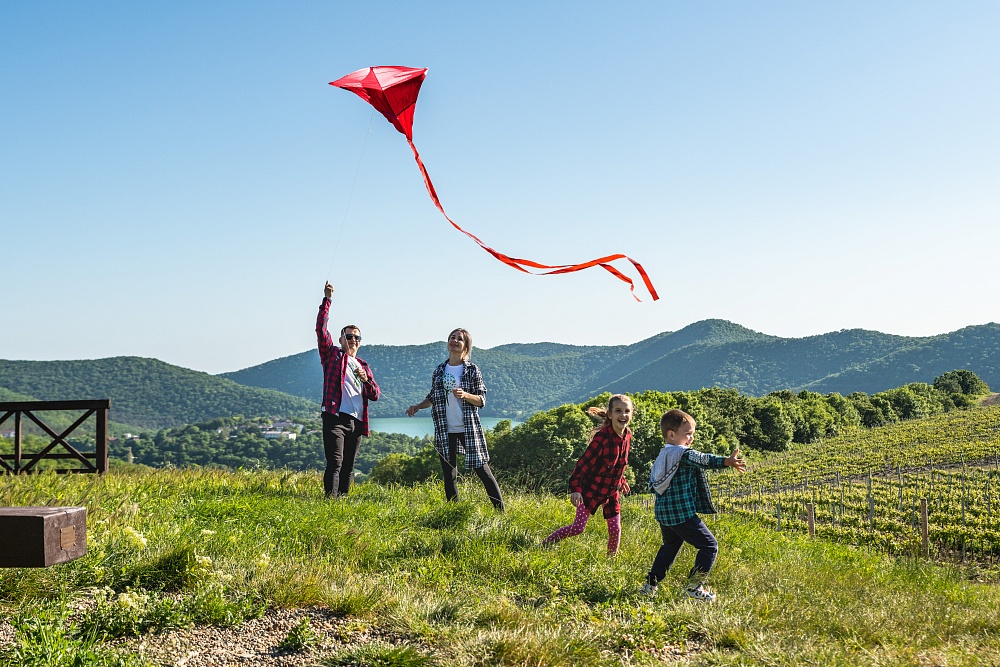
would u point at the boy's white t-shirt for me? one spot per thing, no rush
(453, 407)
(351, 401)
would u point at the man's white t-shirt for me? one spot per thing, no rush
(453, 378)
(351, 401)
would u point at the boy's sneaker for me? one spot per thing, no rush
(700, 593)
(648, 589)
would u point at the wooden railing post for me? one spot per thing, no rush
(101, 439)
(17, 442)
(811, 514)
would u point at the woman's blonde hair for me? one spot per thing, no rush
(467, 338)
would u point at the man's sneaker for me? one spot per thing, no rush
(700, 593)
(648, 589)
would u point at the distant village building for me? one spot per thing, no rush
(285, 425)
(6, 434)
(283, 435)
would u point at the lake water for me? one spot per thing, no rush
(419, 426)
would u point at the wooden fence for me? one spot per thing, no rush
(21, 462)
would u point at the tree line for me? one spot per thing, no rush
(542, 452)
(239, 442)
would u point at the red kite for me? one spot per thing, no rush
(393, 92)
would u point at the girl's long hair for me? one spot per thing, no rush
(605, 413)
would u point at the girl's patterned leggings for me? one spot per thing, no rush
(580, 522)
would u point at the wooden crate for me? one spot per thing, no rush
(41, 536)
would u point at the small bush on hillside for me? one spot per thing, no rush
(961, 382)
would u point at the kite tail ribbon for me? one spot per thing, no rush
(545, 269)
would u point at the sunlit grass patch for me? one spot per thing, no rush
(465, 585)
(378, 654)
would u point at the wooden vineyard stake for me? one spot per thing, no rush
(924, 532)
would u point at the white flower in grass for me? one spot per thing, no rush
(207, 533)
(203, 561)
(131, 600)
(263, 560)
(135, 538)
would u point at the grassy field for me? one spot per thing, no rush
(465, 586)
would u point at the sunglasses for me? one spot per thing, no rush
(353, 337)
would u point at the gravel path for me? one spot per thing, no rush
(6, 634)
(255, 643)
(252, 644)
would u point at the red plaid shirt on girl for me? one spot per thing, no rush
(334, 362)
(600, 472)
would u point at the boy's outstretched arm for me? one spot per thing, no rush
(734, 460)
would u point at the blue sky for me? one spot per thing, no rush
(174, 176)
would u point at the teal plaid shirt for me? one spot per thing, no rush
(688, 492)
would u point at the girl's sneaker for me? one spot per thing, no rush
(700, 593)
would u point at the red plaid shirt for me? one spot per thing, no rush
(334, 362)
(600, 472)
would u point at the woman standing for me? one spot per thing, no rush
(457, 392)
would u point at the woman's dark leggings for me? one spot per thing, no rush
(450, 469)
(694, 532)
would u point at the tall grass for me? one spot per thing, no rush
(467, 586)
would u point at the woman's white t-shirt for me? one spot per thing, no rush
(453, 406)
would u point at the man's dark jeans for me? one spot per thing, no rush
(341, 437)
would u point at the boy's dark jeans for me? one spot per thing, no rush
(694, 532)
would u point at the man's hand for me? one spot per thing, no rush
(735, 461)
(328, 290)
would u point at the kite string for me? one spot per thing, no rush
(350, 196)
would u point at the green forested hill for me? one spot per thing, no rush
(524, 378)
(761, 365)
(145, 392)
(521, 378)
(972, 347)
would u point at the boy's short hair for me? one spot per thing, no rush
(672, 420)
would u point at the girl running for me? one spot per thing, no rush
(599, 475)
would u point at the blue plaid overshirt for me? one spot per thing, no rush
(688, 493)
(471, 382)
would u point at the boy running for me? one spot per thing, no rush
(678, 479)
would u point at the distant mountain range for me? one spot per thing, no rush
(522, 378)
